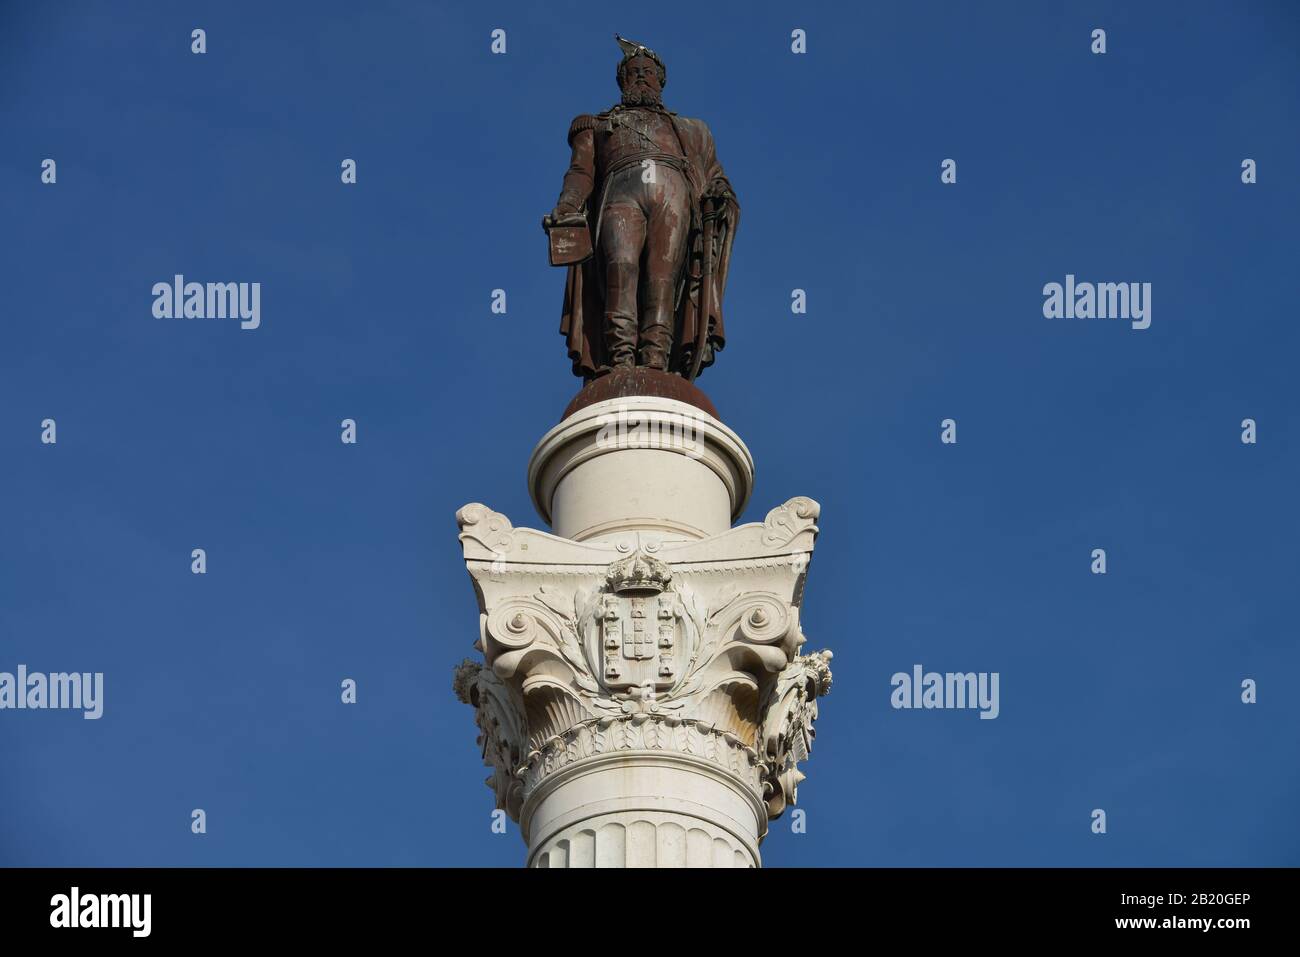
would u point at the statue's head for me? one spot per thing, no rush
(641, 74)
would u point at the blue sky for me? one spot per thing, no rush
(328, 561)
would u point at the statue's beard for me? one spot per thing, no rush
(641, 94)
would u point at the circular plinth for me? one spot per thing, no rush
(640, 381)
(640, 463)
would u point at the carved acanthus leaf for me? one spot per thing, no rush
(499, 716)
(787, 732)
(565, 606)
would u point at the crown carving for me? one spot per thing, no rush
(638, 572)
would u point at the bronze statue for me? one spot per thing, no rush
(644, 223)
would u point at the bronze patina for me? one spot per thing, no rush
(644, 227)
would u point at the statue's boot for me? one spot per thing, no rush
(657, 325)
(620, 314)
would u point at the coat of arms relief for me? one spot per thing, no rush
(643, 643)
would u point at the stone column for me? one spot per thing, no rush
(643, 699)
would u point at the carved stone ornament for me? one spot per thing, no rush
(643, 644)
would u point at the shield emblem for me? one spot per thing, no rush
(639, 640)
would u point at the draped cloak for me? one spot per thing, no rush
(583, 316)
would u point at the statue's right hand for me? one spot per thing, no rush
(563, 216)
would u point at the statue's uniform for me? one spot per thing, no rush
(643, 223)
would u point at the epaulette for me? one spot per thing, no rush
(582, 122)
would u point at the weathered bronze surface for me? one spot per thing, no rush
(647, 186)
(640, 381)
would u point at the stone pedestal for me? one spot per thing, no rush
(640, 464)
(643, 700)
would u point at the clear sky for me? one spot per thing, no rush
(329, 561)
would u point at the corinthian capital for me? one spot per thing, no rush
(643, 646)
